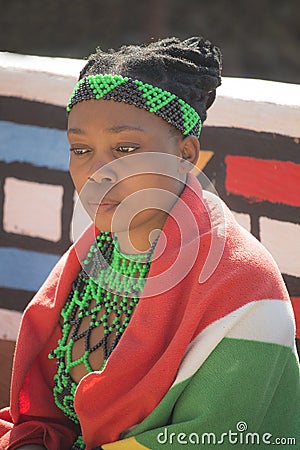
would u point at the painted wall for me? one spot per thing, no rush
(250, 150)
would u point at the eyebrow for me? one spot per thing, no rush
(119, 128)
(113, 130)
(75, 131)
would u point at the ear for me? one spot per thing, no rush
(189, 149)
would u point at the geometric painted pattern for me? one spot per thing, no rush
(233, 154)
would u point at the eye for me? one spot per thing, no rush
(79, 151)
(126, 148)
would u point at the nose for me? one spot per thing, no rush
(102, 179)
(103, 174)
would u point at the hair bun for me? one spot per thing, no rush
(189, 68)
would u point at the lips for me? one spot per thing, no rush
(100, 207)
(102, 202)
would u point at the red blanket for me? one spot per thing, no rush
(144, 365)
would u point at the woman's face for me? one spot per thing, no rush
(114, 185)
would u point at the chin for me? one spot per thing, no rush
(106, 225)
(103, 225)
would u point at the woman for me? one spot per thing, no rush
(166, 322)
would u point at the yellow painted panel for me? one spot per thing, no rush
(204, 157)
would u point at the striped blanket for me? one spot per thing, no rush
(208, 358)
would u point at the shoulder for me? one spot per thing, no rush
(65, 270)
(239, 277)
(48, 288)
(237, 269)
(241, 250)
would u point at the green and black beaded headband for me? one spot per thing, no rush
(143, 95)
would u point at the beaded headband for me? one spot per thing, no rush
(143, 95)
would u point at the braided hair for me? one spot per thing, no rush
(191, 69)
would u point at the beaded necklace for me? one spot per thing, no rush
(110, 291)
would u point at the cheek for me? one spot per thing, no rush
(164, 182)
(77, 177)
(146, 190)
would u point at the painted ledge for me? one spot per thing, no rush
(38, 78)
(259, 105)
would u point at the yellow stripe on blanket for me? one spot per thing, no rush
(128, 444)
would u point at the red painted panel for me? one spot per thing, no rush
(259, 179)
(296, 307)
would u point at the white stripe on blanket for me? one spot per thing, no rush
(269, 321)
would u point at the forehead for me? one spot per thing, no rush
(113, 116)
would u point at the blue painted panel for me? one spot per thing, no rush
(24, 269)
(45, 147)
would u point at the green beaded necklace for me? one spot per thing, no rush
(114, 284)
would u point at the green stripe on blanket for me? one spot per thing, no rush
(241, 384)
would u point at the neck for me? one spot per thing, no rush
(133, 242)
(139, 239)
